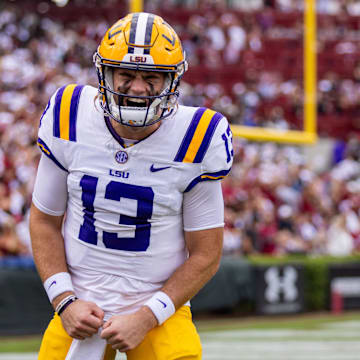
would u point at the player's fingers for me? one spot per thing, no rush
(122, 347)
(107, 332)
(116, 342)
(106, 324)
(93, 321)
(77, 337)
(98, 312)
(78, 334)
(111, 340)
(85, 330)
(85, 334)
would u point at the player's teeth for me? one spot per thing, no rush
(137, 100)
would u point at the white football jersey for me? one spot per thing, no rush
(123, 228)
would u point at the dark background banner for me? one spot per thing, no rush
(24, 306)
(235, 289)
(25, 309)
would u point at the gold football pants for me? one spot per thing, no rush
(175, 339)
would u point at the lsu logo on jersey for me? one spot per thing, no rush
(118, 173)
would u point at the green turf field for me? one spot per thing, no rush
(305, 337)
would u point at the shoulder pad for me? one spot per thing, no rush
(59, 122)
(65, 111)
(217, 160)
(198, 136)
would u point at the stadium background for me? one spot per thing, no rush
(283, 202)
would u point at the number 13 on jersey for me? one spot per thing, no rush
(227, 138)
(114, 191)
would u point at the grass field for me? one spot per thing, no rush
(305, 337)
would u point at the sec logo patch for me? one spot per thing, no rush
(121, 157)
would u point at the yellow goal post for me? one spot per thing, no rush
(309, 133)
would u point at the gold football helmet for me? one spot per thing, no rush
(145, 42)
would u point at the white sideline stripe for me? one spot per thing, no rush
(352, 324)
(285, 334)
(16, 356)
(33, 356)
(281, 351)
(285, 347)
(290, 356)
(228, 354)
(335, 341)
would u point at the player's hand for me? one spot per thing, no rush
(82, 319)
(125, 332)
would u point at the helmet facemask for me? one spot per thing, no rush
(158, 107)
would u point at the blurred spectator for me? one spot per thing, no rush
(236, 38)
(10, 243)
(339, 240)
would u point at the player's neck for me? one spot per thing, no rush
(134, 133)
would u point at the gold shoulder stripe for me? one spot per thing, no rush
(198, 135)
(65, 112)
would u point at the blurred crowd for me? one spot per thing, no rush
(253, 63)
(275, 203)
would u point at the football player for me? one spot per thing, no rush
(127, 214)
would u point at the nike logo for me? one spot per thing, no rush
(54, 282)
(164, 304)
(154, 169)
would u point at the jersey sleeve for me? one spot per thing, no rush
(58, 124)
(50, 189)
(215, 148)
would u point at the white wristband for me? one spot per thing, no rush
(57, 284)
(162, 306)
